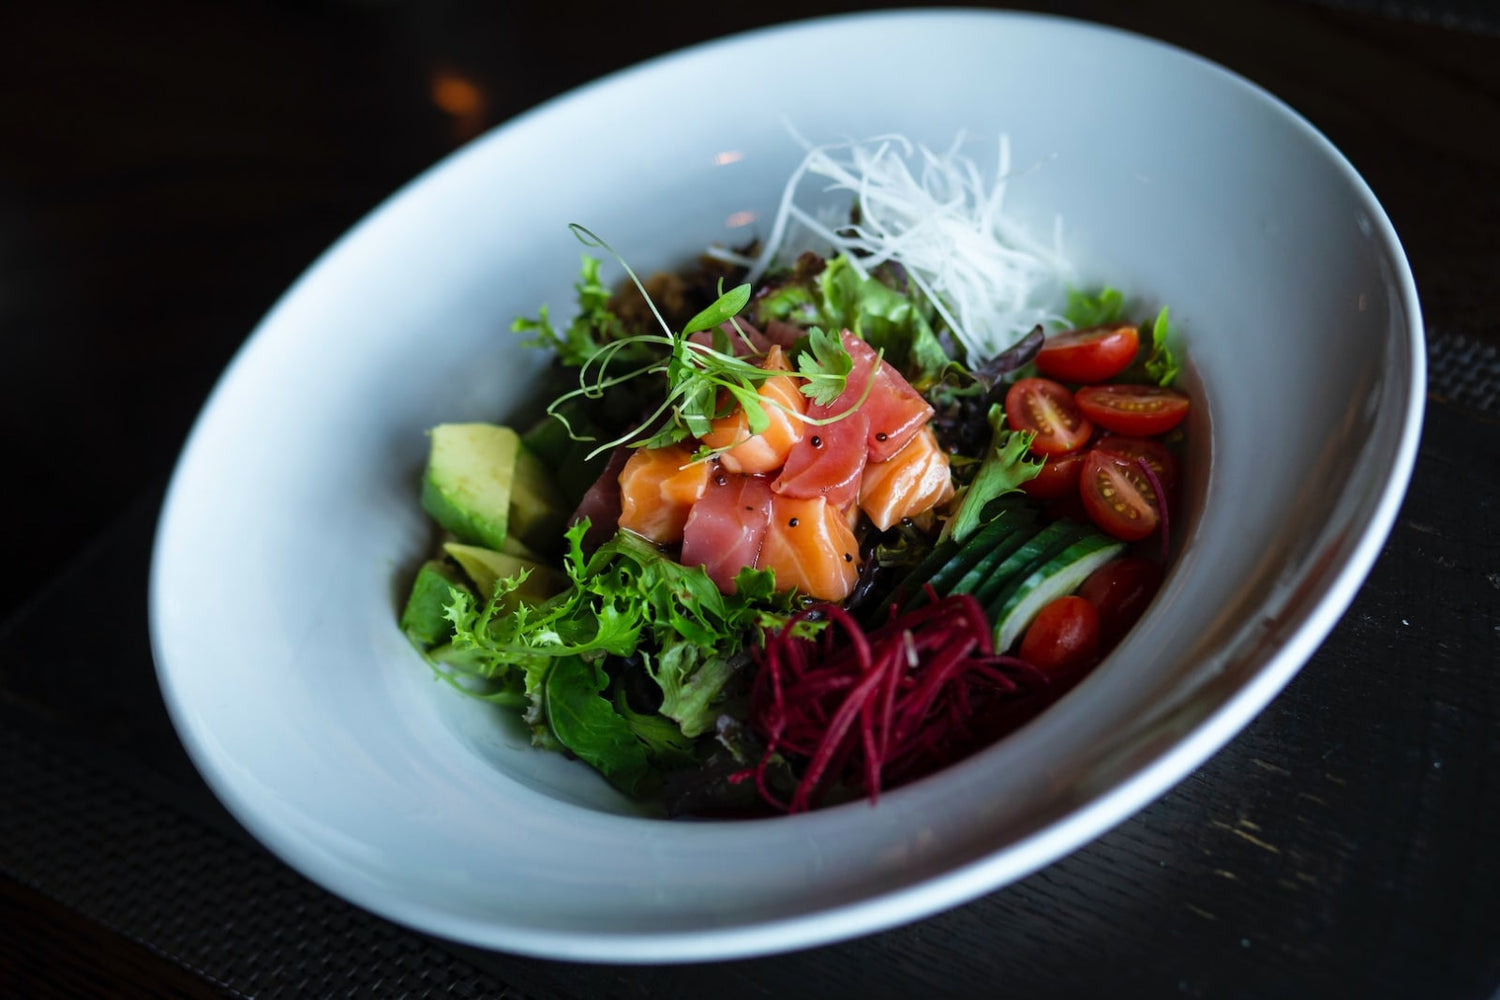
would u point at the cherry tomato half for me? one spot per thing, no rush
(1137, 410)
(1047, 408)
(1064, 635)
(1120, 590)
(1163, 463)
(1092, 354)
(1118, 496)
(1058, 478)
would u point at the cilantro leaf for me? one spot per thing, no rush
(836, 296)
(826, 364)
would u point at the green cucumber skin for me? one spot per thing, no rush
(910, 591)
(1052, 539)
(911, 584)
(969, 554)
(1059, 576)
(979, 576)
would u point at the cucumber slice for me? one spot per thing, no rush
(975, 579)
(911, 583)
(968, 555)
(1060, 576)
(1042, 547)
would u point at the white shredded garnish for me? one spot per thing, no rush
(937, 216)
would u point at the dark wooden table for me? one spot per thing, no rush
(167, 168)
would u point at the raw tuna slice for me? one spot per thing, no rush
(894, 409)
(784, 334)
(827, 462)
(601, 504)
(753, 342)
(725, 529)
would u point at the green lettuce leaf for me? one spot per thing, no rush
(692, 680)
(592, 328)
(1005, 467)
(1160, 365)
(625, 599)
(837, 298)
(1084, 310)
(587, 724)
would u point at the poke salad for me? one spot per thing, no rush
(815, 517)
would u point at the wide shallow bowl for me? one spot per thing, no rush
(293, 517)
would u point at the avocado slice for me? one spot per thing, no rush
(486, 567)
(425, 620)
(483, 486)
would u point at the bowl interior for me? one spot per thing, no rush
(293, 516)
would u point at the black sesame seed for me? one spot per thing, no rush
(848, 557)
(817, 442)
(792, 523)
(881, 436)
(721, 479)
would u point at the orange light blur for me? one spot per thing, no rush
(461, 99)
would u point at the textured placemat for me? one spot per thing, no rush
(99, 809)
(1482, 16)
(1464, 371)
(224, 909)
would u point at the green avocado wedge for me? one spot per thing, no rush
(482, 485)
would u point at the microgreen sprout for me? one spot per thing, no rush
(704, 381)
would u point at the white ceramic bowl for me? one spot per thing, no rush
(293, 511)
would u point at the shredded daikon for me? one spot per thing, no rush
(937, 216)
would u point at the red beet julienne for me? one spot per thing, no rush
(889, 705)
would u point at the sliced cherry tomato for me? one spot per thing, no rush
(1118, 496)
(1092, 354)
(1064, 635)
(1058, 478)
(1163, 463)
(1137, 410)
(1047, 408)
(1120, 590)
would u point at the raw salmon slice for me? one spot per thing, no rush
(914, 480)
(658, 487)
(810, 547)
(784, 405)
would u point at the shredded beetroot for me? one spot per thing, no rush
(1161, 502)
(878, 708)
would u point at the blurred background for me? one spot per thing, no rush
(168, 167)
